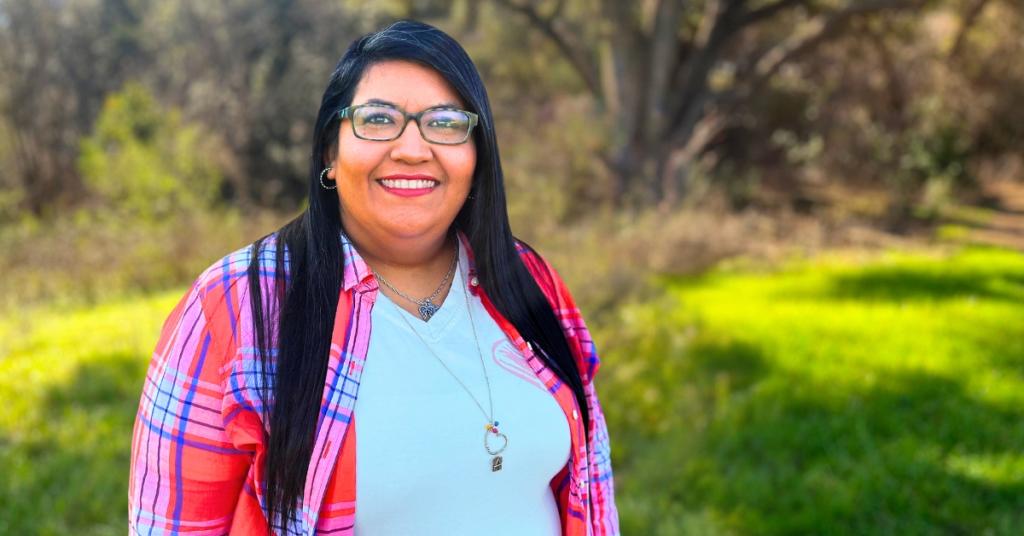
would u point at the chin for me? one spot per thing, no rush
(417, 231)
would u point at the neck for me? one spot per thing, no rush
(417, 255)
(416, 267)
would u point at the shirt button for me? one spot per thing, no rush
(474, 281)
(575, 416)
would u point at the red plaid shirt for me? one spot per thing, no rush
(198, 442)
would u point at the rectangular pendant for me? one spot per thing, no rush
(496, 464)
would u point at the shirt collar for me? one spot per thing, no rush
(356, 269)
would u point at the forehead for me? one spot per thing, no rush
(407, 84)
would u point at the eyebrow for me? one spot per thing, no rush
(445, 104)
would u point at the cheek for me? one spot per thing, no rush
(463, 165)
(353, 161)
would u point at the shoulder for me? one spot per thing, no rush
(231, 270)
(222, 289)
(564, 307)
(544, 274)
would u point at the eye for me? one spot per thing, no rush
(447, 120)
(378, 118)
(444, 123)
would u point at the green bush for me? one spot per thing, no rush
(144, 162)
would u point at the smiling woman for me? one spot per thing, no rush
(399, 296)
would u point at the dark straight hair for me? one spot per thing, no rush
(294, 372)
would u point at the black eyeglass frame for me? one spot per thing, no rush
(349, 113)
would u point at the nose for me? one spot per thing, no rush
(410, 147)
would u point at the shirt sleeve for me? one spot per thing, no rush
(186, 474)
(604, 514)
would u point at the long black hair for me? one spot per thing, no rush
(295, 373)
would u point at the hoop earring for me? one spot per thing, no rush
(322, 183)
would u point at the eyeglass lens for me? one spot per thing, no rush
(385, 123)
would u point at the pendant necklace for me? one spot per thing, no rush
(427, 307)
(491, 432)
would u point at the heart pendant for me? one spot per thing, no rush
(487, 443)
(427, 309)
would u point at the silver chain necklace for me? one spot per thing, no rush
(427, 307)
(491, 428)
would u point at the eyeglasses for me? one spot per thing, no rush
(381, 122)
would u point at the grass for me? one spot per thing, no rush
(70, 385)
(844, 395)
(840, 396)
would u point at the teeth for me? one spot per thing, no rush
(406, 184)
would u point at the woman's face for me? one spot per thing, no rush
(370, 174)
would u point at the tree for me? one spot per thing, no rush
(669, 75)
(58, 60)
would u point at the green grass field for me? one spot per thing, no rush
(842, 396)
(847, 395)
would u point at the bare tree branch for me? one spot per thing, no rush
(576, 57)
(969, 18)
(673, 177)
(819, 29)
(768, 11)
(717, 27)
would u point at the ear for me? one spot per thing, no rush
(329, 157)
(329, 149)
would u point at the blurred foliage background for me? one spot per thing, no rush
(794, 227)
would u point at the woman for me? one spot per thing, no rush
(399, 296)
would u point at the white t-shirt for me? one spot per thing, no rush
(421, 466)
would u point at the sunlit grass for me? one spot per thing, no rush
(69, 386)
(839, 396)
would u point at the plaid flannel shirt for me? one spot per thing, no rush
(198, 444)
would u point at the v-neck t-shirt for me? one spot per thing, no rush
(422, 467)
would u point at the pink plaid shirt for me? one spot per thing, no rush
(198, 442)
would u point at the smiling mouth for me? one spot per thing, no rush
(408, 184)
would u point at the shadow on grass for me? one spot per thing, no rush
(800, 458)
(737, 363)
(660, 413)
(902, 283)
(70, 474)
(674, 389)
(102, 382)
